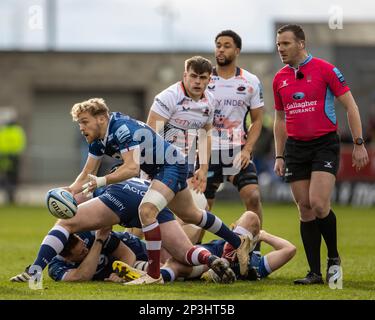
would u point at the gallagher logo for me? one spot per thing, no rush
(298, 95)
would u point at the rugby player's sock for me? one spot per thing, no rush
(167, 274)
(213, 224)
(229, 252)
(328, 230)
(51, 246)
(153, 245)
(141, 265)
(311, 238)
(197, 255)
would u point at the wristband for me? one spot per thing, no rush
(100, 181)
(280, 157)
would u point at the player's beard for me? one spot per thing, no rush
(226, 62)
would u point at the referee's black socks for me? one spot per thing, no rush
(328, 230)
(311, 238)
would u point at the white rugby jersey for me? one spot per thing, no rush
(234, 97)
(185, 116)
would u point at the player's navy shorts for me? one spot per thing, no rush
(174, 176)
(220, 168)
(304, 157)
(124, 199)
(258, 262)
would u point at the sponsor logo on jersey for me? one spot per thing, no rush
(230, 102)
(211, 87)
(122, 133)
(162, 104)
(298, 95)
(284, 84)
(226, 86)
(241, 88)
(296, 105)
(134, 189)
(114, 200)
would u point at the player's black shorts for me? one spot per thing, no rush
(220, 168)
(303, 157)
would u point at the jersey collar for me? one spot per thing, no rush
(304, 62)
(307, 60)
(238, 72)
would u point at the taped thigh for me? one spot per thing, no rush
(156, 198)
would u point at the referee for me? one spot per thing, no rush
(307, 145)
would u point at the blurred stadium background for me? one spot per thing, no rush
(54, 53)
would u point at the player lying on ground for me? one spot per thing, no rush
(118, 204)
(261, 266)
(97, 256)
(89, 255)
(79, 261)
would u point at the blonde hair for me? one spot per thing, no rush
(94, 106)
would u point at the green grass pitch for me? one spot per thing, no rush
(23, 228)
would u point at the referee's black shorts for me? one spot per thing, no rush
(303, 157)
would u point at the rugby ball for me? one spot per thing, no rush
(61, 203)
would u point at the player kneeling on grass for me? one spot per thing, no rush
(118, 204)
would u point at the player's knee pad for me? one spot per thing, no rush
(211, 190)
(199, 199)
(156, 198)
(245, 178)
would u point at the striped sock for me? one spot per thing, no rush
(51, 246)
(213, 224)
(167, 274)
(153, 245)
(141, 265)
(197, 256)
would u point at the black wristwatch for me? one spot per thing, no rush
(359, 141)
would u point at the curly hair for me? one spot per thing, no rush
(94, 106)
